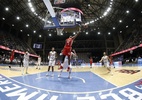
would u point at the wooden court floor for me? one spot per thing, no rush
(123, 83)
(118, 78)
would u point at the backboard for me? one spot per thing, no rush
(67, 19)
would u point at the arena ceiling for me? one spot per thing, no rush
(103, 16)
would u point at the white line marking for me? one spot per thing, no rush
(68, 92)
(104, 78)
(83, 80)
(54, 98)
(40, 78)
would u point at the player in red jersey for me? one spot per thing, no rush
(91, 61)
(111, 61)
(11, 57)
(67, 49)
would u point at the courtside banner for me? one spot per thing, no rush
(13, 90)
(16, 51)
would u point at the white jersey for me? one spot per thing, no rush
(26, 60)
(105, 59)
(39, 59)
(26, 57)
(52, 56)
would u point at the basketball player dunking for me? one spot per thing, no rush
(67, 49)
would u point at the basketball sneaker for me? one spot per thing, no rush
(68, 69)
(61, 67)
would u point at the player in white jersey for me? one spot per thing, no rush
(26, 62)
(38, 62)
(52, 59)
(106, 61)
(65, 64)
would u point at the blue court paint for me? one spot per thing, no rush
(56, 22)
(14, 90)
(80, 82)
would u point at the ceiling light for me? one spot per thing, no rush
(92, 21)
(34, 31)
(120, 21)
(86, 32)
(32, 9)
(133, 19)
(120, 31)
(127, 26)
(17, 17)
(108, 9)
(27, 25)
(40, 36)
(105, 13)
(49, 34)
(21, 30)
(43, 19)
(12, 24)
(30, 4)
(28, 34)
(7, 9)
(127, 11)
(136, 0)
(109, 33)
(99, 33)
(3, 18)
(114, 28)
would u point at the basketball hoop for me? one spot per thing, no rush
(59, 31)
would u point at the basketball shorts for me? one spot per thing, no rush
(52, 63)
(106, 64)
(26, 63)
(67, 51)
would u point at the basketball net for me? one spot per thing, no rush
(59, 31)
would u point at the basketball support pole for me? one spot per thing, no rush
(51, 11)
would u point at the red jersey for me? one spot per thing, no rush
(12, 55)
(111, 59)
(91, 60)
(69, 42)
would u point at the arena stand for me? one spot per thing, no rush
(134, 40)
(130, 50)
(8, 42)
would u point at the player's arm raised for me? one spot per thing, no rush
(101, 59)
(77, 34)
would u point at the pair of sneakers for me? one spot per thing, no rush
(60, 76)
(49, 75)
(38, 68)
(26, 73)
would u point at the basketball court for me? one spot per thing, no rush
(85, 84)
(96, 83)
